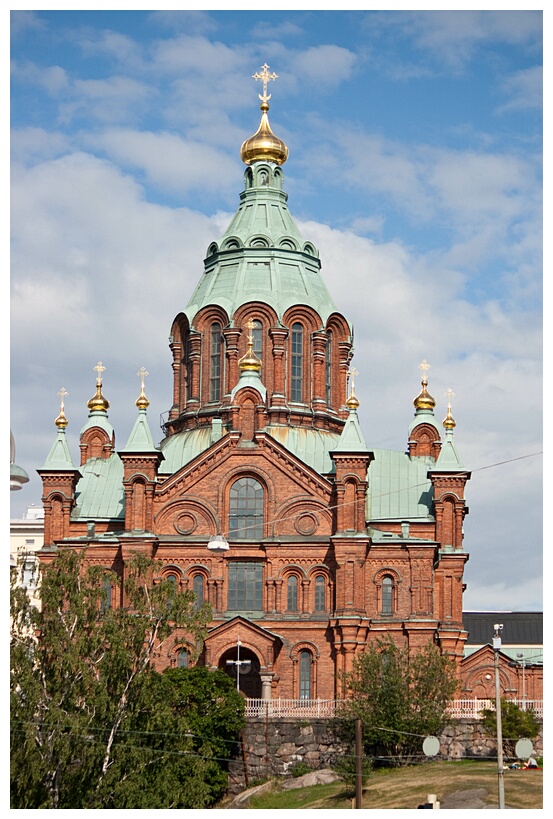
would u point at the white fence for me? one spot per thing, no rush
(311, 709)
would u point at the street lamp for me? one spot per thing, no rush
(218, 544)
(245, 664)
(496, 649)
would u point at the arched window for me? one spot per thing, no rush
(198, 587)
(106, 594)
(387, 594)
(320, 585)
(292, 587)
(215, 363)
(305, 675)
(182, 658)
(328, 368)
(257, 335)
(296, 385)
(246, 509)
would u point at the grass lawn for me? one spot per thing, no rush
(408, 787)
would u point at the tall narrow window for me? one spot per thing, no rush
(328, 368)
(320, 583)
(257, 335)
(182, 658)
(305, 675)
(296, 386)
(387, 595)
(292, 593)
(106, 594)
(215, 363)
(246, 509)
(245, 586)
(198, 587)
(188, 364)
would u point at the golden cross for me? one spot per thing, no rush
(351, 374)
(62, 394)
(449, 394)
(424, 366)
(99, 370)
(251, 325)
(265, 77)
(142, 373)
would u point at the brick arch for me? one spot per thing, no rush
(424, 440)
(187, 515)
(292, 568)
(378, 579)
(305, 315)
(246, 471)
(289, 515)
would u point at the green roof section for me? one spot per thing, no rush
(449, 459)
(312, 446)
(100, 493)
(178, 450)
(399, 486)
(262, 255)
(351, 438)
(140, 439)
(59, 457)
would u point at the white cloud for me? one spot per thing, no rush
(169, 161)
(524, 89)
(323, 65)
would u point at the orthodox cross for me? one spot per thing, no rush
(99, 370)
(251, 325)
(351, 374)
(62, 394)
(449, 394)
(142, 374)
(424, 366)
(265, 77)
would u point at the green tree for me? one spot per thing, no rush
(399, 697)
(82, 678)
(515, 724)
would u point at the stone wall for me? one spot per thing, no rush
(273, 747)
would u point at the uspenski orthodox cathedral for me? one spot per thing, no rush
(264, 497)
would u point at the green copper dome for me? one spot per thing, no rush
(262, 256)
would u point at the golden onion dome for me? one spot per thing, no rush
(98, 403)
(264, 146)
(61, 421)
(424, 400)
(352, 402)
(449, 422)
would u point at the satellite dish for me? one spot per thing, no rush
(524, 749)
(431, 746)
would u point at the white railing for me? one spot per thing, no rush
(291, 708)
(472, 709)
(310, 709)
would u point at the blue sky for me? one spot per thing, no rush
(415, 167)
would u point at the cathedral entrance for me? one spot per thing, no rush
(243, 666)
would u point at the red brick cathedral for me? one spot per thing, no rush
(263, 497)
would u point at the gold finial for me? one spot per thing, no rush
(264, 145)
(424, 400)
(98, 403)
(352, 401)
(61, 421)
(142, 402)
(449, 422)
(250, 361)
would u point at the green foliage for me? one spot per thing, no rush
(515, 724)
(399, 698)
(93, 725)
(299, 769)
(346, 766)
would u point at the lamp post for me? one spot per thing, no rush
(238, 662)
(500, 783)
